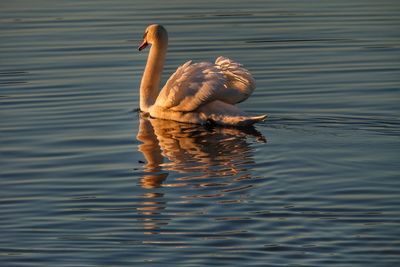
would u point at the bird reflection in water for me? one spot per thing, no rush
(194, 154)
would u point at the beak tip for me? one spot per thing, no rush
(142, 46)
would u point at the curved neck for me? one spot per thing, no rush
(150, 85)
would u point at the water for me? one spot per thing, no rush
(85, 182)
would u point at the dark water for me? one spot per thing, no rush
(85, 182)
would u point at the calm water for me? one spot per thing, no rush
(86, 182)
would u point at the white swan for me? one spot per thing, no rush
(197, 93)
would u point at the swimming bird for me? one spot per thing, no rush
(199, 93)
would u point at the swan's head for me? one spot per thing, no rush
(154, 33)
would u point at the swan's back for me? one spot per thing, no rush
(196, 84)
(192, 85)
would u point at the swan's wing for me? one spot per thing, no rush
(192, 85)
(239, 82)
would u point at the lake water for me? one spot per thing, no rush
(86, 182)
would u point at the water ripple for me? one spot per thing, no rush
(85, 181)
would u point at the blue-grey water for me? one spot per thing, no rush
(86, 182)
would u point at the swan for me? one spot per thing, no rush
(198, 93)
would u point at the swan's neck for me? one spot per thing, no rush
(150, 85)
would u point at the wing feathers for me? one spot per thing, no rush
(196, 84)
(192, 85)
(240, 83)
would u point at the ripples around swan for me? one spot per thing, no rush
(84, 181)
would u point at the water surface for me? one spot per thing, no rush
(86, 182)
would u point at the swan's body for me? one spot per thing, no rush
(197, 92)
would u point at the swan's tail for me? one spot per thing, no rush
(237, 121)
(251, 120)
(218, 112)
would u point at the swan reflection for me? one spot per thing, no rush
(192, 155)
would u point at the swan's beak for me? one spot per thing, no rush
(143, 45)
